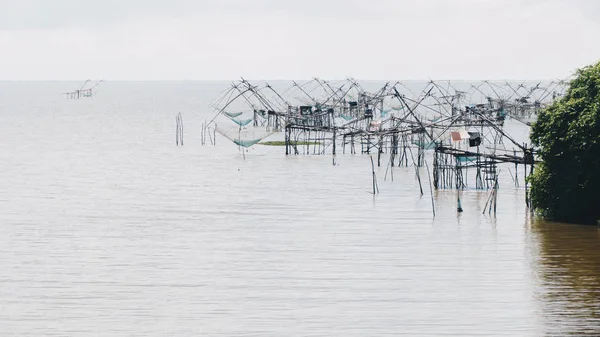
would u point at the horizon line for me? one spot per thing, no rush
(292, 79)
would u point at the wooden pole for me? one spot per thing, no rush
(430, 188)
(375, 188)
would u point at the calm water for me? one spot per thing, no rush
(109, 229)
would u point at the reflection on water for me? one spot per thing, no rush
(567, 269)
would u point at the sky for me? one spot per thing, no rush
(176, 40)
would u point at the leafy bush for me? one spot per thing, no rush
(566, 185)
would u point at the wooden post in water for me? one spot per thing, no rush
(287, 140)
(179, 130)
(334, 131)
(419, 179)
(430, 188)
(176, 130)
(525, 174)
(375, 188)
(379, 153)
(495, 194)
(516, 169)
(530, 151)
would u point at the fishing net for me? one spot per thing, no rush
(232, 114)
(241, 122)
(244, 137)
(466, 160)
(424, 145)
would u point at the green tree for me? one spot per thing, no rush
(566, 185)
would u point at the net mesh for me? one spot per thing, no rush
(241, 122)
(244, 137)
(424, 145)
(232, 114)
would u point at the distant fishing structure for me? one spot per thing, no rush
(460, 131)
(247, 129)
(83, 92)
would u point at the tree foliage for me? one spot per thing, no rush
(566, 185)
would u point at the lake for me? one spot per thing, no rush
(110, 229)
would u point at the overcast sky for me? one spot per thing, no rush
(300, 39)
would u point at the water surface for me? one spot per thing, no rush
(109, 229)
